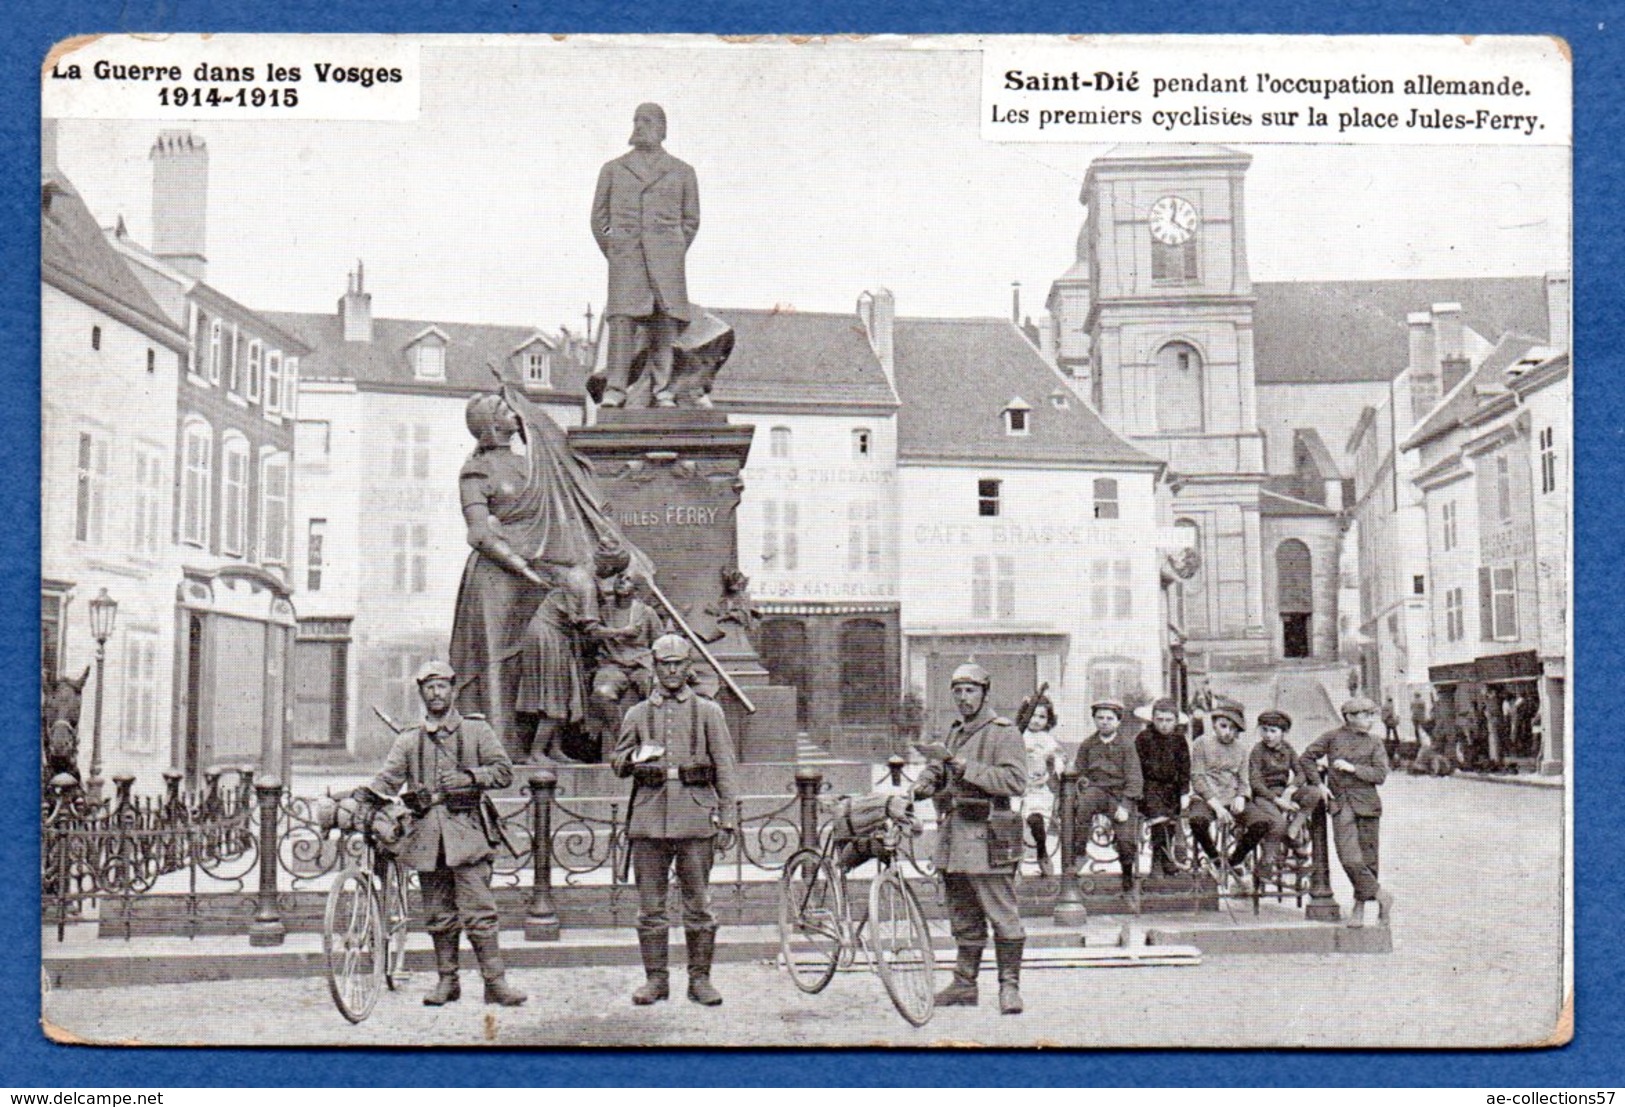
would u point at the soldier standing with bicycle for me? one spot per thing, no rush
(972, 779)
(444, 765)
(676, 748)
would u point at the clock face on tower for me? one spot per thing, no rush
(1173, 220)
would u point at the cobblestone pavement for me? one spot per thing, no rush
(1477, 962)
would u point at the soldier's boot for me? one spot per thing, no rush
(1385, 906)
(962, 992)
(497, 988)
(654, 946)
(1008, 955)
(447, 989)
(702, 947)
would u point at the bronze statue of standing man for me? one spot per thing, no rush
(645, 214)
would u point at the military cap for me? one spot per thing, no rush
(971, 673)
(435, 670)
(1275, 718)
(671, 647)
(1230, 709)
(1109, 705)
(1360, 703)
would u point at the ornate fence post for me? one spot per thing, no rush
(267, 928)
(808, 782)
(172, 793)
(1069, 907)
(210, 803)
(123, 800)
(542, 919)
(1322, 904)
(894, 768)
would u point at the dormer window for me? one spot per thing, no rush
(429, 361)
(1017, 417)
(1059, 400)
(538, 367)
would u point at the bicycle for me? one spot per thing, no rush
(817, 934)
(365, 923)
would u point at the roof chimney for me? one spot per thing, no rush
(180, 200)
(1447, 330)
(878, 310)
(355, 308)
(1557, 310)
(1015, 302)
(1426, 386)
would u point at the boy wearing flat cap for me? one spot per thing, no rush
(1272, 776)
(1219, 787)
(1110, 783)
(1355, 765)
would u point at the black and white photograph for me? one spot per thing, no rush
(920, 541)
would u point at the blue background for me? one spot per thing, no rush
(1593, 1059)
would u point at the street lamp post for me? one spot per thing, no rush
(103, 613)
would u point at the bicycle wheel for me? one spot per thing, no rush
(810, 920)
(900, 946)
(353, 940)
(397, 920)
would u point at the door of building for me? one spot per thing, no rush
(1294, 597)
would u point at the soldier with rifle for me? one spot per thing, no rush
(972, 779)
(442, 769)
(676, 748)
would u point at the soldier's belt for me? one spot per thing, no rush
(976, 808)
(461, 802)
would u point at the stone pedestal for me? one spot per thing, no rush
(672, 480)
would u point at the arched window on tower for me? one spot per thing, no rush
(1179, 388)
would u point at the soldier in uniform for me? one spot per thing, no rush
(1356, 764)
(448, 761)
(972, 779)
(676, 748)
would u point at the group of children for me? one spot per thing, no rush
(1159, 776)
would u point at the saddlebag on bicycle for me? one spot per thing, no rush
(861, 816)
(1004, 843)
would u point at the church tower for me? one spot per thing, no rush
(1169, 319)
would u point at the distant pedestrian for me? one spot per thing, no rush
(1354, 765)
(1390, 722)
(1420, 723)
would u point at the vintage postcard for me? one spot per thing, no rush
(663, 541)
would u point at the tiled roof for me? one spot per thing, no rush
(74, 250)
(800, 357)
(1330, 332)
(1464, 399)
(955, 378)
(470, 347)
